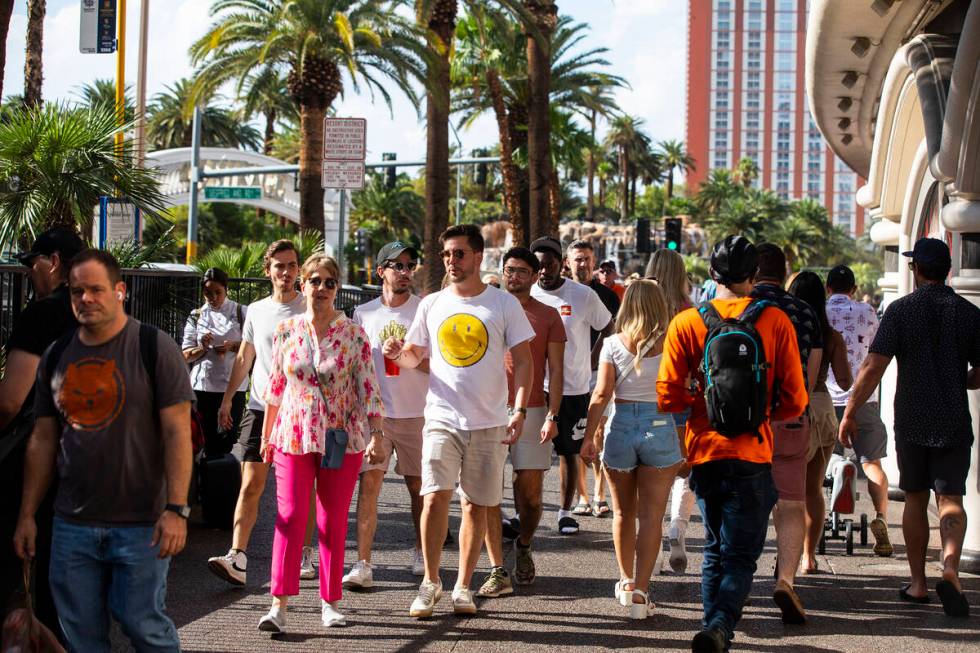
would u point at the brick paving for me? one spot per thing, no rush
(853, 605)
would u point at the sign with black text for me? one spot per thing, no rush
(97, 33)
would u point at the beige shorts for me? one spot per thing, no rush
(404, 436)
(823, 423)
(528, 452)
(473, 459)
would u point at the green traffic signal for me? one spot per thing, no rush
(672, 245)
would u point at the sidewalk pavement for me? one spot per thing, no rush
(852, 604)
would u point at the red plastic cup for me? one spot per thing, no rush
(391, 368)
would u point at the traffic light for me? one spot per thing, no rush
(390, 172)
(481, 169)
(673, 234)
(361, 244)
(642, 235)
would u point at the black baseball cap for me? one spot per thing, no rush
(393, 250)
(608, 263)
(734, 260)
(841, 276)
(546, 244)
(930, 251)
(63, 240)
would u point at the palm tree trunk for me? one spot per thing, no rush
(270, 131)
(554, 199)
(33, 75)
(311, 166)
(512, 197)
(624, 177)
(442, 25)
(633, 177)
(590, 169)
(6, 10)
(602, 192)
(545, 14)
(670, 185)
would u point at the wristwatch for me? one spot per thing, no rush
(552, 417)
(182, 510)
(517, 409)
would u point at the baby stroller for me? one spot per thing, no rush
(841, 484)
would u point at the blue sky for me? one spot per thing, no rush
(647, 41)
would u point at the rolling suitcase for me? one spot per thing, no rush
(220, 479)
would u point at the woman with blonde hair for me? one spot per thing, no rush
(642, 453)
(667, 267)
(323, 409)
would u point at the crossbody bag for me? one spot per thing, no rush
(335, 440)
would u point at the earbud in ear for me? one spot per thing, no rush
(119, 296)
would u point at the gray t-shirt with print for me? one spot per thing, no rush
(110, 454)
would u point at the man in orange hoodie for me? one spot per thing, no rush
(731, 475)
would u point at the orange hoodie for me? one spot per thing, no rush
(683, 352)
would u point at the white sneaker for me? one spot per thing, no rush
(273, 622)
(230, 567)
(307, 570)
(331, 617)
(463, 601)
(678, 552)
(429, 595)
(359, 577)
(418, 563)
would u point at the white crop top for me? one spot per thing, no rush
(640, 385)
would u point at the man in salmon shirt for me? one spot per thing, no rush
(731, 476)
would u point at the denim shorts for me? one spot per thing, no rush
(639, 434)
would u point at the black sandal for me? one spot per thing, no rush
(954, 602)
(905, 596)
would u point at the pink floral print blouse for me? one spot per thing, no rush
(346, 372)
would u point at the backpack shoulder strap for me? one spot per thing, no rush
(148, 353)
(754, 310)
(709, 315)
(239, 313)
(56, 351)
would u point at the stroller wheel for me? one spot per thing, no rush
(864, 529)
(849, 535)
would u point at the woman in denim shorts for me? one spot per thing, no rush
(641, 454)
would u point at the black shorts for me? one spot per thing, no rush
(571, 424)
(943, 469)
(247, 449)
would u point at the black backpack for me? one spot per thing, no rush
(734, 368)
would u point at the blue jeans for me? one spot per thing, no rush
(735, 498)
(101, 570)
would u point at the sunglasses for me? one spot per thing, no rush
(517, 272)
(455, 254)
(404, 268)
(329, 282)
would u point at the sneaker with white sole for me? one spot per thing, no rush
(524, 564)
(307, 570)
(498, 583)
(883, 546)
(359, 577)
(678, 551)
(463, 601)
(330, 616)
(273, 622)
(230, 567)
(418, 563)
(429, 594)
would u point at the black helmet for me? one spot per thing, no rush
(733, 260)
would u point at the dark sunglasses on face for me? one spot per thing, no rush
(316, 282)
(456, 254)
(398, 266)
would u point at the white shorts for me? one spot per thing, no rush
(473, 459)
(528, 452)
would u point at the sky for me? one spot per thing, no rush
(647, 40)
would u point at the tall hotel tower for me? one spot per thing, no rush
(746, 98)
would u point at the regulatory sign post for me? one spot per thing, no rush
(344, 148)
(97, 33)
(118, 222)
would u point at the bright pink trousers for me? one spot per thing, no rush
(334, 488)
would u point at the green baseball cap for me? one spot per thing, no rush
(393, 250)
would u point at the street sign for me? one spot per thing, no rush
(343, 139)
(118, 221)
(343, 175)
(97, 34)
(232, 192)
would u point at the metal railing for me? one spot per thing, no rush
(163, 298)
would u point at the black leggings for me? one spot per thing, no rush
(218, 442)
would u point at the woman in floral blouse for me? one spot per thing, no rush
(295, 431)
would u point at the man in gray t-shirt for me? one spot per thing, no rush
(119, 437)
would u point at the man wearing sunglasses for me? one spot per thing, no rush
(465, 330)
(390, 315)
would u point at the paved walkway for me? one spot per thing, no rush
(853, 605)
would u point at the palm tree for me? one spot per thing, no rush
(265, 94)
(713, 192)
(170, 123)
(751, 214)
(33, 75)
(569, 142)
(318, 43)
(6, 11)
(746, 172)
(626, 137)
(49, 179)
(646, 167)
(674, 156)
(544, 14)
(596, 100)
(796, 236)
(102, 92)
(399, 212)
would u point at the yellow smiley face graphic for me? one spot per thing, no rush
(462, 340)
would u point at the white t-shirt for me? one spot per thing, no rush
(638, 385)
(260, 325)
(466, 338)
(211, 372)
(402, 395)
(581, 310)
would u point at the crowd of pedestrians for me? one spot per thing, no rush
(736, 403)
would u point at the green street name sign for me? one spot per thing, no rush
(232, 193)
